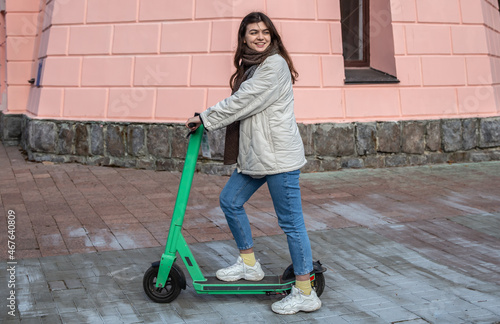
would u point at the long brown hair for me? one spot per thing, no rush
(251, 18)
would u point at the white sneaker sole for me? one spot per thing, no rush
(293, 311)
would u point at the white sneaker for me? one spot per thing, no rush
(240, 270)
(296, 302)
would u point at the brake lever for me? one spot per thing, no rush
(192, 125)
(191, 132)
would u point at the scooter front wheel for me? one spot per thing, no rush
(172, 287)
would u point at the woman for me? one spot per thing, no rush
(262, 131)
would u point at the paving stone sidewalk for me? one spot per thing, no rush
(402, 245)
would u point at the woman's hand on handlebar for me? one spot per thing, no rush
(193, 123)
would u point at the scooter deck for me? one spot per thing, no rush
(267, 284)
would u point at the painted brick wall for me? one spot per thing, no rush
(21, 29)
(163, 60)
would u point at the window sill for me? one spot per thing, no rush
(367, 76)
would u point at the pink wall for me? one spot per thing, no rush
(3, 64)
(163, 60)
(382, 56)
(21, 18)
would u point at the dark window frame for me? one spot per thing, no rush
(365, 62)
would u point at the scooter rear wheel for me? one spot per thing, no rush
(319, 283)
(165, 294)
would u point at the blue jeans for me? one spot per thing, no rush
(285, 193)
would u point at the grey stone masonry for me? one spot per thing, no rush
(10, 128)
(412, 138)
(328, 146)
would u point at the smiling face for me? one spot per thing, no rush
(257, 36)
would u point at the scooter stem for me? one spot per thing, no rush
(174, 233)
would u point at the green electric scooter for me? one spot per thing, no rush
(164, 280)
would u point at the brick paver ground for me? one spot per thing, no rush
(402, 245)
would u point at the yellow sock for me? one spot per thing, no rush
(248, 258)
(305, 286)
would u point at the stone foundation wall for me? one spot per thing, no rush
(10, 128)
(328, 146)
(402, 143)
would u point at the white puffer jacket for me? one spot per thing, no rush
(270, 141)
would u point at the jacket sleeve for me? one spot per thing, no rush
(253, 96)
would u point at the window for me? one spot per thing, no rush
(367, 41)
(355, 32)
